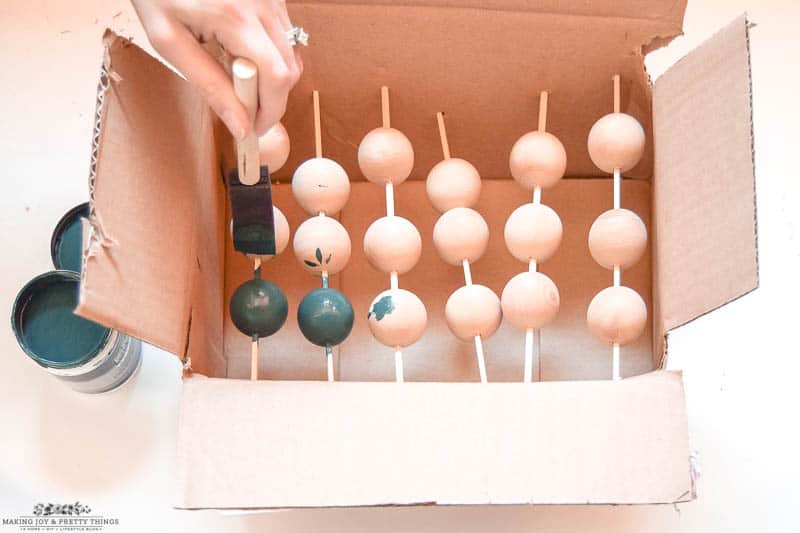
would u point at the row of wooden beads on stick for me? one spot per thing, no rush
(461, 236)
(322, 246)
(530, 300)
(392, 244)
(617, 239)
(258, 308)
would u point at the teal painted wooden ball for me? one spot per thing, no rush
(325, 317)
(258, 307)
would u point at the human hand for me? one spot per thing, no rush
(254, 29)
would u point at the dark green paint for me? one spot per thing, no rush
(318, 255)
(66, 244)
(325, 317)
(381, 308)
(258, 307)
(46, 327)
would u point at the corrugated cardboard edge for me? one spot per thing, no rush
(701, 266)
(438, 444)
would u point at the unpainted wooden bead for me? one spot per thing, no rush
(530, 300)
(617, 238)
(617, 315)
(273, 148)
(322, 243)
(453, 183)
(281, 235)
(533, 232)
(459, 234)
(392, 244)
(385, 155)
(321, 185)
(397, 318)
(538, 159)
(473, 310)
(616, 141)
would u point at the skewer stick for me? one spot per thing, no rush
(393, 281)
(467, 272)
(329, 359)
(615, 351)
(389, 199)
(385, 107)
(615, 356)
(537, 195)
(254, 358)
(480, 357)
(616, 93)
(543, 111)
(317, 127)
(398, 365)
(245, 84)
(443, 135)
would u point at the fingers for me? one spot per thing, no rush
(275, 76)
(179, 46)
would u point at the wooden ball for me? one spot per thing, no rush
(473, 310)
(616, 141)
(453, 183)
(392, 244)
(325, 317)
(533, 232)
(281, 235)
(617, 315)
(459, 234)
(258, 308)
(273, 148)
(321, 185)
(322, 243)
(530, 300)
(617, 238)
(397, 318)
(538, 159)
(385, 155)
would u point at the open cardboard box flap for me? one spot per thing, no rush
(155, 265)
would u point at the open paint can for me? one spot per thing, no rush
(66, 244)
(87, 356)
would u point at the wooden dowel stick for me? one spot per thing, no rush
(389, 199)
(480, 357)
(329, 360)
(616, 94)
(398, 365)
(532, 265)
(254, 359)
(245, 84)
(385, 117)
(317, 127)
(617, 276)
(467, 272)
(543, 111)
(393, 282)
(256, 263)
(615, 375)
(617, 188)
(443, 135)
(537, 195)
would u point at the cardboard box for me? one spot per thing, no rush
(160, 265)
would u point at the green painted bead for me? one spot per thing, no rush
(258, 307)
(325, 317)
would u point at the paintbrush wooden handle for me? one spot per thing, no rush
(245, 84)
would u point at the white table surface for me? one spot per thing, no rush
(115, 452)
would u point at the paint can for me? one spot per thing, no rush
(88, 357)
(66, 244)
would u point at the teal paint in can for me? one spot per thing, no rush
(88, 357)
(66, 244)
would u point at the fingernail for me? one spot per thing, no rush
(229, 118)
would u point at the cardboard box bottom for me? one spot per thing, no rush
(279, 444)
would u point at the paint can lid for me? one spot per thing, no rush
(66, 244)
(46, 326)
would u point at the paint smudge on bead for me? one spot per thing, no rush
(381, 308)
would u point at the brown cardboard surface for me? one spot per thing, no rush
(704, 186)
(355, 444)
(158, 198)
(483, 64)
(569, 351)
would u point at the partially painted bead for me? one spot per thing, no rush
(397, 318)
(322, 244)
(325, 317)
(258, 308)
